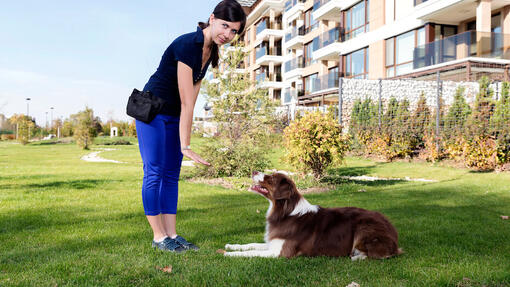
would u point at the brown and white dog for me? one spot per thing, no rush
(295, 227)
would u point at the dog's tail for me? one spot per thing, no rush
(400, 251)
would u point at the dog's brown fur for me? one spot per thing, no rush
(328, 231)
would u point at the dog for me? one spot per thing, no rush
(294, 227)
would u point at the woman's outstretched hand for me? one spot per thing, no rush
(194, 156)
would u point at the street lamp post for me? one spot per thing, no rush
(28, 99)
(51, 123)
(46, 122)
(28, 117)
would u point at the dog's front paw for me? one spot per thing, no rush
(232, 246)
(232, 254)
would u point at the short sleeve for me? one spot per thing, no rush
(183, 52)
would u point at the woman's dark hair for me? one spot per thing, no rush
(227, 10)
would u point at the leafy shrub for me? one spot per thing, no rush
(6, 137)
(237, 160)
(315, 142)
(481, 153)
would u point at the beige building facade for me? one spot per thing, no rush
(299, 49)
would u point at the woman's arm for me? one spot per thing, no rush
(188, 93)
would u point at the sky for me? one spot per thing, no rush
(72, 54)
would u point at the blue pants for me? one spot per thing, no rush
(160, 149)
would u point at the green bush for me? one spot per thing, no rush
(315, 142)
(237, 160)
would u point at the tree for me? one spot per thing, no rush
(86, 128)
(23, 124)
(244, 116)
(480, 119)
(420, 120)
(457, 114)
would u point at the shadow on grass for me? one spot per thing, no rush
(335, 176)
(70, 184)
(67, 184)
(351, 170)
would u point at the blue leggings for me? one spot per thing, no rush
(160, 149)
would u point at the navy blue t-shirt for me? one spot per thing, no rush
(163, 83)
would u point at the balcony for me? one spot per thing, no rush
(295, 39)
(293, 9)
(264, 57)
(327, 10)
(325, 84)
(270, 80)
(265, 30)
(450, 11)
(327, 45)
(263, 8)
(291, 95)
(460, 46)
(293, 68)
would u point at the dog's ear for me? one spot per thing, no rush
(283, 189)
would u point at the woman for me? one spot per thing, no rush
(165, 140)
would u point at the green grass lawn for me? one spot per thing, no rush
(64, 221)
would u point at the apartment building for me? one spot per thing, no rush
(299, 49)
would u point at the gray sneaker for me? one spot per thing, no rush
(184, 243)
(168, 244)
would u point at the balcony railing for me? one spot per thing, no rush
(273, 77)
(318, 3)
(291, 3)
(260, 52)
(295, 32)
(324, 82)
(467, 44)
(261, 77)
(311, 28)
(289, 94)
(264, 24)
(327, 38)
(261, 26)
(295, 63)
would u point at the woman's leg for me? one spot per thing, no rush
(150, 140)
(168, 224)
(170, 179)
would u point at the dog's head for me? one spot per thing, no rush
(274, 187)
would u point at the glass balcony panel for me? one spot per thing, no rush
(327, 38)
(467, 44)
(295, 63)
(261, 26)
(318, 3)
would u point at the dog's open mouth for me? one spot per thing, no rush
(259, 189)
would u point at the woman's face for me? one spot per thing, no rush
(222, 32)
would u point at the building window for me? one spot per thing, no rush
(356, 64)
(311, 83)
(399, 52)
(333, 77)
(309, 54)
(310, 23)
(356, 20)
